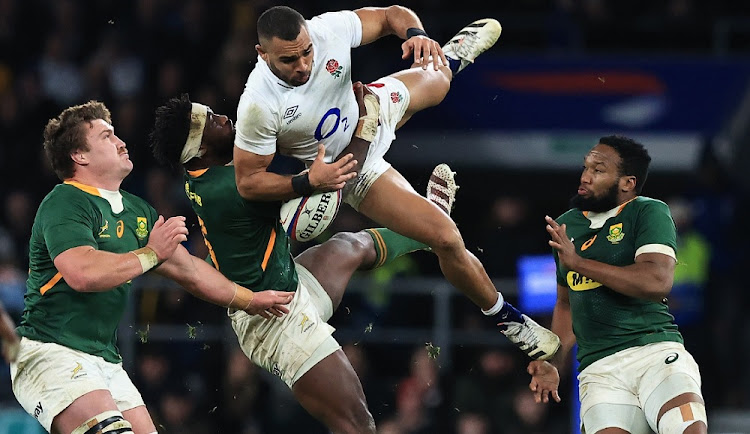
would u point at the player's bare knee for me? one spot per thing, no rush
(359, 243)
(446, 240)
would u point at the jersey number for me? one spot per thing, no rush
(319, 135)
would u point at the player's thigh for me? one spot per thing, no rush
(333, 262)
(671, 380)
(84, 408)
(129, 401)
(608, 399)
(48, 378)
(393, 203)
(331, 390)
(608, 418)
(426, 88)
(140, 419)
(289, 346)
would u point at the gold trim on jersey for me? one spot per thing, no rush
(269, 249)
(619, 209)
(52, 282)
(197, 173)
(83, 187)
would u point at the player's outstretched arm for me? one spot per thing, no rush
(545, 376)
(87, 269)
(254, 182)
(404, 23)
(206, 283)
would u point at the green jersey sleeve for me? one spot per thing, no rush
(655, 226)
(66, 222)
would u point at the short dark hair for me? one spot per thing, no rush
(170, 132)
(282, 22)
(64, 135)
(634, 158)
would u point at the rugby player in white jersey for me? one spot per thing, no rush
(298, 102)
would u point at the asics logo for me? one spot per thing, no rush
(588, 243)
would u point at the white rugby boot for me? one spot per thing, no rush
(536, 341)
(470, 42)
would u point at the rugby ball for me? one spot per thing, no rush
(305, 218)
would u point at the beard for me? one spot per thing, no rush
(596, 204)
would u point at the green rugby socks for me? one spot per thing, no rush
(389, 245)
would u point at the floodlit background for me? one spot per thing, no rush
(515, 126)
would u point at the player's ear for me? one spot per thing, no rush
(79, 157)
(261, 52)
(628, 183)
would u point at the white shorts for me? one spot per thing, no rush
(48, 377)
(627, 389)
(289, 346)
(394, 100)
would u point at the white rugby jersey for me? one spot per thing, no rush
(275, 117)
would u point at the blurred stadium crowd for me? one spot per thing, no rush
(133, 55)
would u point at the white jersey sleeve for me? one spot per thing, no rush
(344, 24)
(257, 125)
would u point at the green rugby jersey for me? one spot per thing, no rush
(73, 215)
(245, 239)
(605, 321)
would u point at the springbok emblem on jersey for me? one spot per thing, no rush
(615, 233)
(104, 229)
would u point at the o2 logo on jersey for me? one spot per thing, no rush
(329, 123)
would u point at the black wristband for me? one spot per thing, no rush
(413, 31)
(301, 184)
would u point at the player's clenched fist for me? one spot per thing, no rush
(166, 236)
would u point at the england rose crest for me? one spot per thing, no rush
(396, 97)
(333, 67)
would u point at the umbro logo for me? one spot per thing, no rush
(291, 115)
(290, 111)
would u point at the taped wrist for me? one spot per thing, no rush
(367, 126)
(414, 31)
(147, 257)
(301, 184)
(242, 298)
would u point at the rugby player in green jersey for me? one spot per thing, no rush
(615, 255)
(89, 240)
(247, 243)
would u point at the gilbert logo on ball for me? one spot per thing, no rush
(305, 218)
